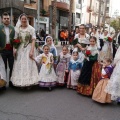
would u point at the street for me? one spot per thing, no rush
(58, 104)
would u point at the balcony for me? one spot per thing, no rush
(17, 4)
(63, 4)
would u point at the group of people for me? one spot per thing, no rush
(89, 69)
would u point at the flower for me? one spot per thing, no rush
(109, 39)
(16, 43)
(88, 52)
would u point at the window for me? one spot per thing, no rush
(79, 1)
(107, 9)
(27, 1)
(77, 15)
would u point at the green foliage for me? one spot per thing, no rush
(115, 24)
(43, 12)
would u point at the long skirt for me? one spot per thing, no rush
(25, 72)
(113, 86)
(47, 78)
(95, 77)
(2, 73)
(62, 76)
(73, 79)
(99, 93)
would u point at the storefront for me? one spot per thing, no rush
(44, 24)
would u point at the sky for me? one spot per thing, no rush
(115, 5)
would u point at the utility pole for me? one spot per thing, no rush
(99, 13)
(104, 18)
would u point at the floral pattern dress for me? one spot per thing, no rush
(107, 49)
(47, 76)
(90, 73)
(61, 67)
(25, 72)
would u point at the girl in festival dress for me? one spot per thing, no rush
(47, 76)
(63, 61)
(113, 86)
(53, 50)
(99, 93)
(90, 74)
(74, 70)
(2, 74)
(96, 34)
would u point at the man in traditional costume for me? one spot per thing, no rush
(7, 34)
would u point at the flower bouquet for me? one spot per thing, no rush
(16, 44)
(87, 53)
(109, 39)
(75, 41)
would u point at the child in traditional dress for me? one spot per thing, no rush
(47, 76)
(53, 50)
(90, 73)
(63, 61)
(74, 70)
(99, 93)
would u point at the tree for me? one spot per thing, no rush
(115, 24)
(54, 18)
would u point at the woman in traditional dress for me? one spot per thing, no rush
(25, 71)
(90, 74)
(83, 39)
(99, 93)
(107, 50)
(2, 74)
(113, 86)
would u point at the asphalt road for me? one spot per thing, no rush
(58, 104)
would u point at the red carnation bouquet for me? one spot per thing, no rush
(109, 39)
(16, 43)
(88, 53)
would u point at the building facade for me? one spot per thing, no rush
(17, 7)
